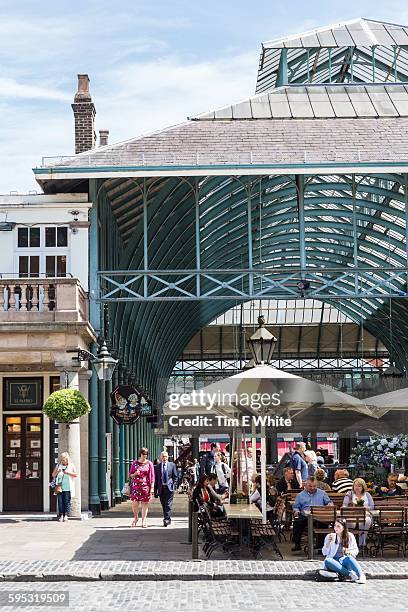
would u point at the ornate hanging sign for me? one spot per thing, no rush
(126, 405)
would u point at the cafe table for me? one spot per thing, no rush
(310, 531)
(242, 514)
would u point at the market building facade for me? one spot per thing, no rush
(300, 191)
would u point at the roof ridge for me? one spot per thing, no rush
(319, 29)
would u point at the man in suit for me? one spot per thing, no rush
(165, 483)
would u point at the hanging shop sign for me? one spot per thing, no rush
(146, 408)
(128, 404)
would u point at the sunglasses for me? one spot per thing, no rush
(144, 453)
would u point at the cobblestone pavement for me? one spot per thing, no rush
(227, 596)
(140, 571)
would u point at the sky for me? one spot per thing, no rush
(151, 64)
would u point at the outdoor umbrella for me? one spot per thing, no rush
(394, 400)
(283, 392)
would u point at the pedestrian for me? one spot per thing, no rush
(223, 473)
(141, 477)
(207, 463)
(165, 484)
(64, 474)
(340, 549)
(311, 460)
(299, 465)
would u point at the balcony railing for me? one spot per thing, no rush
(42, 299)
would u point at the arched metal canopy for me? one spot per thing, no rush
(301, 191)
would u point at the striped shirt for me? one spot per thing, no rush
(342, 485)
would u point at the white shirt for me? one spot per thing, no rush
(256, 499)
(250, 463)
(221, 477)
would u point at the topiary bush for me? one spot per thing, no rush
(66, 405)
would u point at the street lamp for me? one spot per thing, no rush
(392, 377)
(103, 363)
(261, 344)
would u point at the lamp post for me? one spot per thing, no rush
(103, 363)
(261, 344)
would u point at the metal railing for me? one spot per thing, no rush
(129, 157)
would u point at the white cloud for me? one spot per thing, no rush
(136, 98)
(153, 94)
(11, 89)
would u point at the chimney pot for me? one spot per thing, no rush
(103, 137)
(83, 88)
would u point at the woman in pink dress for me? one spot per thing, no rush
(141, 477)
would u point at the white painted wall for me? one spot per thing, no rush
(45, 210)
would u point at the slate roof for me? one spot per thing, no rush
(314, 124)
(262, 141)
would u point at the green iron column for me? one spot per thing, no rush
(94, 501)
(117, 487)
(126, 433)
(109, 430)
(102, 446)
(122, 474)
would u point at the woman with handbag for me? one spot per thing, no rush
(141, 476)
(63, 475)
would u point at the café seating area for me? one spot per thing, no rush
(241, 533)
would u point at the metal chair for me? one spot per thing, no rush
(356, 520)
(279, 519)
(217, 534)
(390, 531)
(323, 515)
(262, 536)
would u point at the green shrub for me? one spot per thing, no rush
(66, 405)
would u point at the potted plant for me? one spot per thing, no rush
(66, 405)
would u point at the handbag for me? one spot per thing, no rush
(126, 489)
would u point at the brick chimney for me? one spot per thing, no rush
(84, 116)
(103, 137)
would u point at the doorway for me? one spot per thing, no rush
(23, 463)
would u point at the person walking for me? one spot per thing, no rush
(64, 474)
(299, 465)
(165, 484)
(141, 475)
(223, 473)
(340, 549)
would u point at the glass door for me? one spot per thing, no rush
(13, 448)
(33, 448)
(22, 463)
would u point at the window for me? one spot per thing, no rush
(55, 265)
(28, 266)
(28, 237)
(56, 237)
(50, 257)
